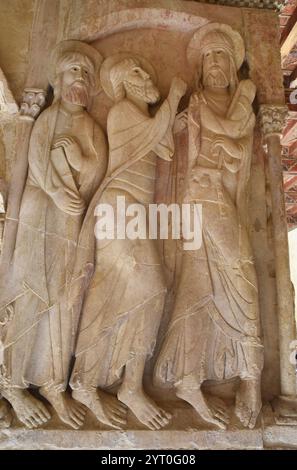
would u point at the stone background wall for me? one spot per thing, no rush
(16, 19)
(160, 29)
(29, 29)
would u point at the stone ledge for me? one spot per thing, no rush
(272, 437)
(40, 439)
(185, 432)
(280, 437)
(277, 436)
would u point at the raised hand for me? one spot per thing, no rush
(180, 122)
(179, 87)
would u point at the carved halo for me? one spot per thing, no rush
(115, 59)
(71, 46)
(194, 47)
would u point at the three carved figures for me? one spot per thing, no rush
(85, 312)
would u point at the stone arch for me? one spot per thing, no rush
(159, 18)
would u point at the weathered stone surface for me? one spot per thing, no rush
(125, 440)
(182, 433)
(277, 437)
(95, 436)
(16, 24)
(128, 318)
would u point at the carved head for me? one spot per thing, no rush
(217, 52)
(75, 78)
(124, 73)
(218, 65)
(128, 76)
(74, 72)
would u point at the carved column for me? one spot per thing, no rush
(43, 39)
(31, 106)
(2, 188)
(272, 121)
(8, 113)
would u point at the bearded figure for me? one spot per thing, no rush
(214, 333)
(67, 161)
(124, 303)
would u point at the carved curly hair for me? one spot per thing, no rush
(118, 75)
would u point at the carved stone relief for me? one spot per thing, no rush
(222, 304)
(7, 102)
(32, 103)
(67, 161)
(127, 340)
(8, 108)
(101, 327)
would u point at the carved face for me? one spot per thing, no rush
(139, 83)
(216, 68)
(77, 79)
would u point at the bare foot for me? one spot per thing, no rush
(106, 408)
(68, 410)
(5, 415)
(248, 402)
(145, 409)
(28, 409)
(206, 412)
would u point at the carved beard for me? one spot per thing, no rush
(216, 78)
(148, 92)
(76, 94)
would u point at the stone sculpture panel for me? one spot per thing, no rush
(129, 330)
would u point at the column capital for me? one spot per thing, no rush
(272, 119)
(32, 104)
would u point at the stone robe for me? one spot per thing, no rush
(38, 339)
(214, 332)
(124, 303)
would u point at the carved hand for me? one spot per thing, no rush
(179, 87)
(72, 150)
(181, 122)
(226, 144)
(68, 201)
